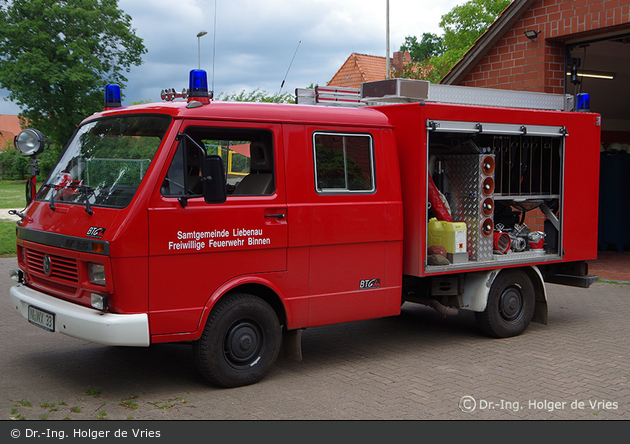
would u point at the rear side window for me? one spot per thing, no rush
(343, 163)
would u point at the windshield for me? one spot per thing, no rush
(106, 161)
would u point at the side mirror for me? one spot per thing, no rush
(213, 180)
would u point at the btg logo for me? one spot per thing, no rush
(96, 232)
(366, 284)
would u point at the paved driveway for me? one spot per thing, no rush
(416, 366)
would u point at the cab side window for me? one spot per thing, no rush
(184, 175)
(343, 163)
(247, 156)
(259, 180)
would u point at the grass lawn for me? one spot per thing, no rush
(7, 238)
(12, 196)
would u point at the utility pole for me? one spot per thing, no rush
(387, 38)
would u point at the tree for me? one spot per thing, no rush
(257, 95)
(435, 55)
(431, 45)
(465, 23)
(56, 56)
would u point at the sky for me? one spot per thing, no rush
(257, 44)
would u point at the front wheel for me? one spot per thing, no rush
(240, 342)
(510, 306)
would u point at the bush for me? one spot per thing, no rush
(14, 164)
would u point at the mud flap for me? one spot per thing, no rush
(292, 344)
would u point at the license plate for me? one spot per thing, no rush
(41, 318)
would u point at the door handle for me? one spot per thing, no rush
(278, 216)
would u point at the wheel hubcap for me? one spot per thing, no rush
(511, 303)
(243, 343)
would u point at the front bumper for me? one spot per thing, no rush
(83, 322)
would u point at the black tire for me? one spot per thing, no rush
(240, 342)
(510, 305)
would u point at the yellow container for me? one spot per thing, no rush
(450, 235)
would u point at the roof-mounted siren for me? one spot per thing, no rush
(198, 87)
(113, 98)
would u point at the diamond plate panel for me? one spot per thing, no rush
(464, 186)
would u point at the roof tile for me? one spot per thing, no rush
(361, 68)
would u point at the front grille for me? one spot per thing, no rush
(61, 268)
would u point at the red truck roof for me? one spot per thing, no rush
(268, 112)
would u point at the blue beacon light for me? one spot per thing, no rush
(112, 96)
(583, 102)
(198, 86)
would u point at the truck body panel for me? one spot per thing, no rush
(579, 175)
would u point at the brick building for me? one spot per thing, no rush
(559, 47)
(567, 47)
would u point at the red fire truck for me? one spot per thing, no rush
(234, 226)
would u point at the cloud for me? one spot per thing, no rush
(255, 40)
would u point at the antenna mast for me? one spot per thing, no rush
(285, 76)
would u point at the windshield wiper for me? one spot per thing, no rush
(86, 190)
(51, 201)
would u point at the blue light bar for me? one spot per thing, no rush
(583, 102)
(112, 96)
(198, 86)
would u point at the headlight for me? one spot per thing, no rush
(96, 273)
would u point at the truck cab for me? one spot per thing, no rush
(130, 241)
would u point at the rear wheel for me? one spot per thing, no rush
(510, 305)
(240, 342)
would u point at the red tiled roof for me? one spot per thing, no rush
(358, 69)
(9, 128)
(361, 68)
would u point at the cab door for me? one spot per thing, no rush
(196, 248)
(354, 267)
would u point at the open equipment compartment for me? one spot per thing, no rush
(493, 177)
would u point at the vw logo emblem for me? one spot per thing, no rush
(47, 265)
